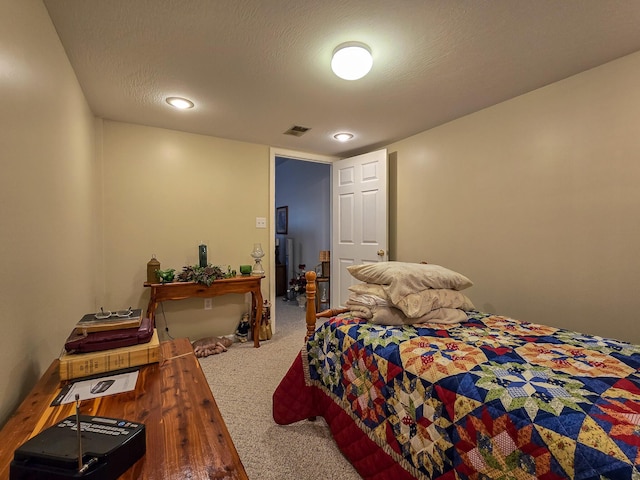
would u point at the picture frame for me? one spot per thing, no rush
(282, 220)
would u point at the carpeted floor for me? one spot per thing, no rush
(243, 380)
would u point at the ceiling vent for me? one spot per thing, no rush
(297, 131)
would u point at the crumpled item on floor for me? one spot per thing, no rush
(211, 346)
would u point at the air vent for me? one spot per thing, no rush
(297, 131)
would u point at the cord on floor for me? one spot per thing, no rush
(166, 326)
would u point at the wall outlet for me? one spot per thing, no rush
(208, 303)
(261, 222)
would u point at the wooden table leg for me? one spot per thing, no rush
(181, 290)
(151, 308)
(256, 301)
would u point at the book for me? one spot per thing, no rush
(122, 337)
(76, 365)
(89, 323)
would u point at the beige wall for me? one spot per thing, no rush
(84, 203)
(537, 200)
(47, 208)
(164, 192)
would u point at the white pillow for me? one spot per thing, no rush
(415, 276)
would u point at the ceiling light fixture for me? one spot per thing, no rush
(179, 102)
(343, 137)
(351, 60)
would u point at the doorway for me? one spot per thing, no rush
(302, 183)
(304, 189)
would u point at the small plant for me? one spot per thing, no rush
(204, 275)
(165, 276)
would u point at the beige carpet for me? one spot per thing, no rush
(243, 380)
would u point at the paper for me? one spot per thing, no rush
(97, 387)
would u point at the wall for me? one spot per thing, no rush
(48, 189)
(536, 200)
(164, 192)
(305, 188)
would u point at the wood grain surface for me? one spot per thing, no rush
(185, 434)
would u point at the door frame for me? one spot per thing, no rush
(294, 155)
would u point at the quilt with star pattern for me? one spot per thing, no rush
(490, 398)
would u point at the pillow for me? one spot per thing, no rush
(393, 316)
(417, 304)
(369, 289)
(381, 315)
(403, 280)
(417, 276)
(414, 304)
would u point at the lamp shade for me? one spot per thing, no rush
(351, 61)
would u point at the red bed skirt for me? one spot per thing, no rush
(294, 401)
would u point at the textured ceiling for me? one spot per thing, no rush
(255, 68)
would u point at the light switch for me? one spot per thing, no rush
(261, 222)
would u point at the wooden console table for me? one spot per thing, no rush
(181, 290)
(185, 434)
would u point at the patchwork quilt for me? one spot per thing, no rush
(489, 398)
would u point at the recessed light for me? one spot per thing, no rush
(351, 60)
(179, 102)
(343, 136)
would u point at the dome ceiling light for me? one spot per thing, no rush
(180, 103)
(351, 60)
(343, 136)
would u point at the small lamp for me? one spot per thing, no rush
(325, 260)
(257, 255)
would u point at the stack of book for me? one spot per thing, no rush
(103, 342)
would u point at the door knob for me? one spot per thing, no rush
(381, 253)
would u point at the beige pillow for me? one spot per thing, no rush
(403, 282)
(394, 316)
(417, 304)
(414, 276)
(413, 304)
(381, 315)
(369, 289)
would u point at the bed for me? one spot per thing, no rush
(490, 397)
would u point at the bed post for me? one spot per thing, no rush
(311, 304)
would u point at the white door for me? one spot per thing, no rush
(359, 218)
